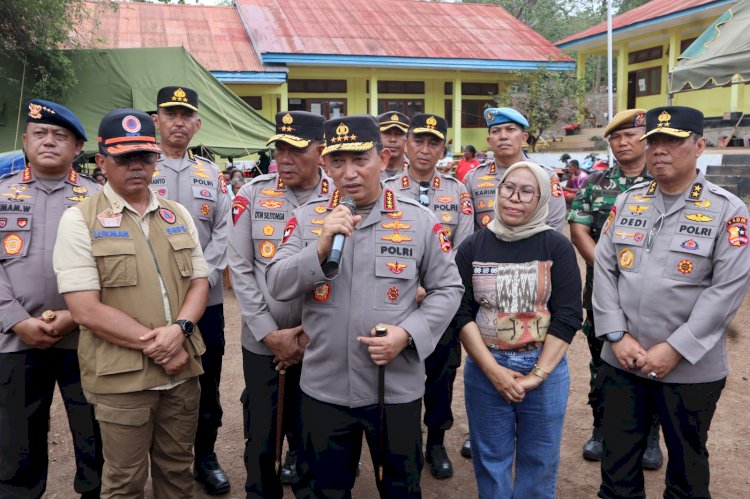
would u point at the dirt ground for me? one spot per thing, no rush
(729, 438)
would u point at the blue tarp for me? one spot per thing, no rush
(11, 161)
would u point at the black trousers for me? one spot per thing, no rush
(332, 440)
(440, 370)
(685, 411)
(27, 383)
(259, 402)
(211, 327)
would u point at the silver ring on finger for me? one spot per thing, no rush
(652, 376)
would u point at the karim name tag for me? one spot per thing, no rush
(109, 219)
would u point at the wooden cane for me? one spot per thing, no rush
(380, 331)
(279, 417)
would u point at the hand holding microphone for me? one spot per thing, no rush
(337, 226)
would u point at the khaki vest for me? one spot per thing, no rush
(129, 266)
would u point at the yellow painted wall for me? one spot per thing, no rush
(712, 102)
(357, 96)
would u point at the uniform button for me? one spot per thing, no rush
(312, 272)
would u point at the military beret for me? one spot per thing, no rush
(298, 128)
(177, 96)
(499, 115)
(630, 118)
(125, 130)
(351, 133)
(51, 113)
(429, 123)
(677, 121)
(394, 119)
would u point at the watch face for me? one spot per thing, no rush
(187, 326)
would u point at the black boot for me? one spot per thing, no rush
(653, 458)
(208, 472)
(466, 448)
(594, 448)
(289, 469)
(436, 455)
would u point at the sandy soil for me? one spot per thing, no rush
(729, 439)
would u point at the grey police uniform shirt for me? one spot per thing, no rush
(448, 199)
(198, 184)
(30, 211)
(398, 245)
(676, 275)
(482, 183)
(260, 212)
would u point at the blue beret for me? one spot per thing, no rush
(44, 111)
(500, 115)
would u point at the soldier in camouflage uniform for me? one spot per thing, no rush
(589, 212)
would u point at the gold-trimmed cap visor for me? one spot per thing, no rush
(677, 121)
(668, 131)
(436, 133)
(385, 126)
(179, 104)
(292, 140)
(350, 146)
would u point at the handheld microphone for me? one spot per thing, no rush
(337, 248)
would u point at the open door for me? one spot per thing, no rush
(631, 89)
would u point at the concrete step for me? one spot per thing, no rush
(726, 179)
(736, 159)
(729, 170)
(731, 188)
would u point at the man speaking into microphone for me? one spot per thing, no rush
(391, 246)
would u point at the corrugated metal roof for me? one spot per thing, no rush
(215, 36)
(395, 28)
(646, 12)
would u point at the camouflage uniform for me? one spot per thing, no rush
(591, 207)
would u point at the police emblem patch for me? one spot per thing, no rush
(267, 249)
(392, 294)
(626, 259)
(486, 218)
(239, 205)
(289, 229)
(167, 215)
(610, 219)
(395, 267)
(737, 230)
(322, 292)
(690, 245)
(685, 266)
(205, 209)
(12, 244)
(268, 230)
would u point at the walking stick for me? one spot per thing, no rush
(380, 331)
(279, 416)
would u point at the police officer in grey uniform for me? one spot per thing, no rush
(38, 337)
(393, 129)
(506, 135)
(671, 270)
(451, 203)
(272, 336)
(197, 183)
(392, 245)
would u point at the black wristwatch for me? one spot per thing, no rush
(615, 336)
(186, 326)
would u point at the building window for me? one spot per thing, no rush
(254, 101)
(472, 113)
(469, 88)
(644, 55)
(684, 44)
(317, 86)
(409, 107)
(328, 108)
(398, 87)
(648, 81)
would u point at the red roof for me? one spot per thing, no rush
(646, 12)
(393, 28)
(215, 36)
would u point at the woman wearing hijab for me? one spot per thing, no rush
(520, 310)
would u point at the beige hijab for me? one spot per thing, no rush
(537, 222)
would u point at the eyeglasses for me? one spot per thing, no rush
(424, 188)
(145, 158)
(651, 239)
(525, 194)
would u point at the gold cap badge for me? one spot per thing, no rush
(394, 117)
(179, 95)
(664, 118)
(431, 122)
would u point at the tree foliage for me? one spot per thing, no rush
(36, 31)
(545, 97)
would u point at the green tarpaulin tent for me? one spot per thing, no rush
(110, 78)
(720, 56)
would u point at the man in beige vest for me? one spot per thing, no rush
(131, 269)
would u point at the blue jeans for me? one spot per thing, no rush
(530, 431)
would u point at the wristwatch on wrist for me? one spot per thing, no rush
(615, 336)
(410, 342)
(186, 326)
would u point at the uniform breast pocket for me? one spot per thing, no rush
(115, 261)
(395, 283)
(689, 258)
(204, 200)
(628, 257)
(183, 246)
